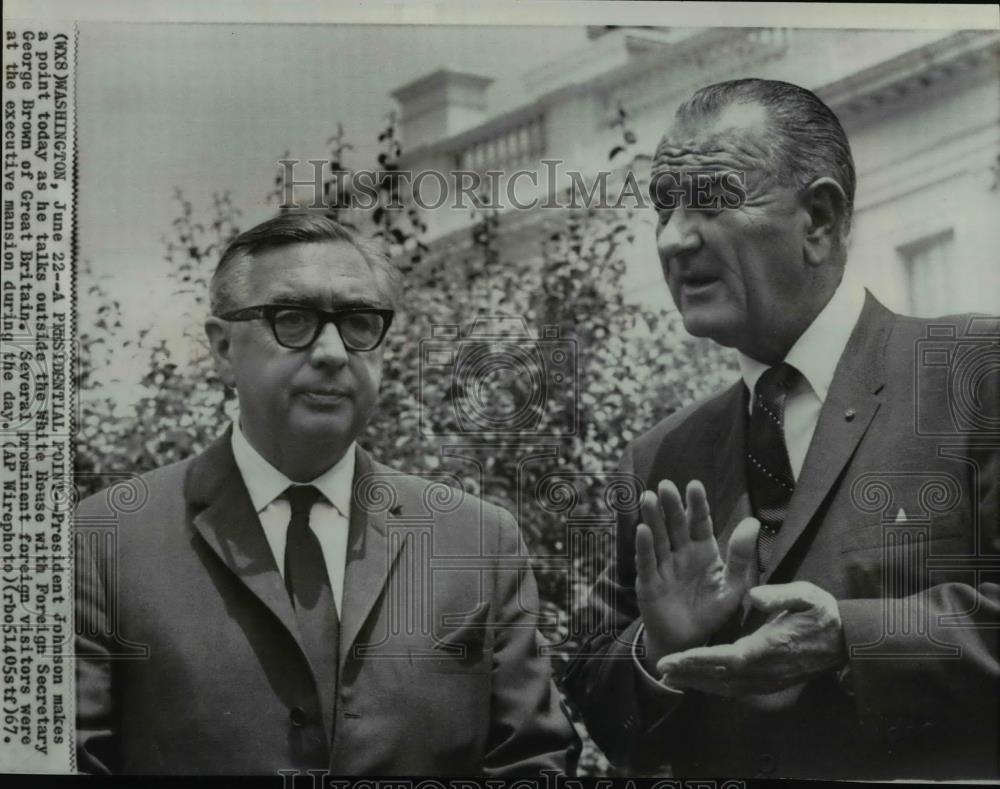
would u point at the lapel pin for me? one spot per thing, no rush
(849, 414)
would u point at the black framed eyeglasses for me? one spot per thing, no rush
(361, 328)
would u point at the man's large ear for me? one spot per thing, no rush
(827, 230)
(220, 343)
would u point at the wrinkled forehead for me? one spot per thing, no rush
(321, 274)
(737, 138)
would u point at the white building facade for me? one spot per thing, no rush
(921, 110)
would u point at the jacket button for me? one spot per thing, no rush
(765, 763)
(297, 716)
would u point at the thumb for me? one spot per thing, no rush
(796, 596)
(741, 553)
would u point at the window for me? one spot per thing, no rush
(930, 275)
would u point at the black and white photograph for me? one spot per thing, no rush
(510, 395)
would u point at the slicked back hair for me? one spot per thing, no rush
(808, 141)
(287, 229)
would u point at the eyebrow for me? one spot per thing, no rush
(298, 300)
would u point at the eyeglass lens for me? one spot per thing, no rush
(298, 328)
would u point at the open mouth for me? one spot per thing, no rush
(696, 283)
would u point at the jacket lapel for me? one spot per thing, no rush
(371, 555)
(850, 406)
(227, 521)
(225, 518)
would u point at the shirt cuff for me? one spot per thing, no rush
(648, 679)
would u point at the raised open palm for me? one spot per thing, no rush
(684, 588)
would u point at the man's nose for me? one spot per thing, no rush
(329, 347)
(679, 235)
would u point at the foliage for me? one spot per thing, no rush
(633, 366)
(182, 403)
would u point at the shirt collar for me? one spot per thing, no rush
(816, 353)
(265, 483)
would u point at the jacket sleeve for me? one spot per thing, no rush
(529, 730)
(636, 722)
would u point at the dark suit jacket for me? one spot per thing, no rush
(918, 592)
(189, 656)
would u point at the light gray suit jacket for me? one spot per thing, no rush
(190, 659)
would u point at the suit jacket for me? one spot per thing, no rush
(895, 513)
(190, 660)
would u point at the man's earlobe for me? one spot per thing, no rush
(217, 332)
(826, 204)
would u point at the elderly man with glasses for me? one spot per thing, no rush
(295, 604)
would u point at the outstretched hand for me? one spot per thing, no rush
(685, 590)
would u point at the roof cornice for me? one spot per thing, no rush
(964, 53)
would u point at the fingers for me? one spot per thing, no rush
(796, 596)
(714, 670)
(699, 517)
(652, 516)
(673, 513)
(741, 554)
(738, 657)
(672, 525)
(646, 567)
(758, 663)
(700, 660)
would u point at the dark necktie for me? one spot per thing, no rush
(769, 472)
(309, 588)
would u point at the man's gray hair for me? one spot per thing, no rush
(808, 141)
(292, 227)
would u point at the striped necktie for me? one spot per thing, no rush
(769, 472)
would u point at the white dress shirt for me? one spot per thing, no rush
(329, 517)
(815, 355)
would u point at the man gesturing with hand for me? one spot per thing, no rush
(823, 602)
(686, 593)
(684, 589)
